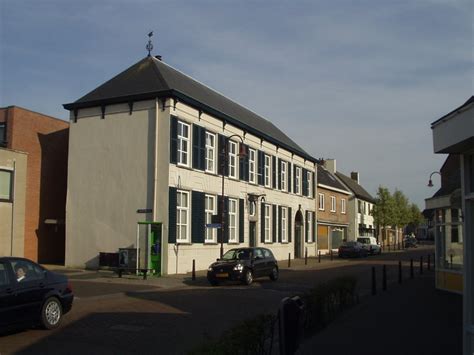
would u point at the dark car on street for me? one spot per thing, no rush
(31, 295)
(352, 249)
(244, 265)
(410, 242)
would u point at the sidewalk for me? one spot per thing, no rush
(412, 318)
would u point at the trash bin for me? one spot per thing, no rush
(291, 322)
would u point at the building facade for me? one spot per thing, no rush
(156, 140)
(332, 207)
(44, 140)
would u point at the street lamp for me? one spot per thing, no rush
(430, 182)
(225, 160)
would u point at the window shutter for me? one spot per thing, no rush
(202, 149)
(290, 217)
(314, 226)
(244, 164)
(274, 169)
(241, 221)
(219, 213)
(306, 225)
(305, 182)
(279, 173)
(274, 224)
(294, 178)
(174, 140)
(172, 216)
(262, 222)
(279, 224)
(226, 219)
(199, 147)
(247, 151)
(261, 169)
(197, 217)
(222, 169)
(288, 181)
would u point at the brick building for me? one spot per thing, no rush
(44, 139)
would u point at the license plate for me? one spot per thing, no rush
(222, 274)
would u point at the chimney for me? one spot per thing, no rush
(330, 165)
(355, 176)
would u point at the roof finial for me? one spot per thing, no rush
(149, 46)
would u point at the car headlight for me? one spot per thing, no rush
(238, 267)
(209, 268)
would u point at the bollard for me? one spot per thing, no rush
(306, 256)
(194, 270)
(374, 288)
(384, 278)
(331, 254)
(399, 272)
(421, 265)
(429, 262)
(289, 259)
(451, 258)
(411, 269)
(319, 256)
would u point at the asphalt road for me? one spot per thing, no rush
(119, 317)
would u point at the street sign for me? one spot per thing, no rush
(213, 225)
(145, 210)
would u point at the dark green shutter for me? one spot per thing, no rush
(198, 217)
(294, 178)
(262, 222)
(305, 182)
(290, 216)
(279, 173)
(306, 227)
(174, 140)
(274, 224)
(247, 151)
(288, 181)
(226, 218)
(261, 167)
(244, 163)
(199, 147)
(241, 221)
(172, 216)
(222, 161)
(274, 175)
(314, 226)
(279, 223)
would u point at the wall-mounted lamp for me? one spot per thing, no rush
(430, 182)
(254, 197)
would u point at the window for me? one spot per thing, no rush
(233, 159)
(283, 176)
(284, 224)
(183, 143)
(309, 225)
(27, 271)
(232, 220)
(343, 205)
(333, 204)
(182, 216)
(4, 276)
(3, 134)
(210, 209)
(321, 202)
(252, 165)
(268, 163)
(6, 185)
(298, 181)
(268, 236)
(210, 153)
(310, 183)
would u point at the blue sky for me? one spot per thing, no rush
(358, 81)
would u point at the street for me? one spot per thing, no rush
(172, 315)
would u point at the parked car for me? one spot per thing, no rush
(31, 295)
(352, 249)
(410, 242)
(371, 244)
(244, 265)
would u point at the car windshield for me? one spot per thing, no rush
(350, 244)
(237, 254)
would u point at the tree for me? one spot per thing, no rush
(383, 210)
(401, 210)
(416, 218)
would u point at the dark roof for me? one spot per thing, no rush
(468, 102)
(151, 78)
(450, 176)
(327, 178)
(358, 190)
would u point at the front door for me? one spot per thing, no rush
(298, 235)
(252, 234)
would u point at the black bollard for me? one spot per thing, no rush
(384, 278)
(289, 259)
(451, 258)
(411, 269)
(194, 270)
(374, 288)
(421, 265)
(429, 262)
(306, 256)
(331, 254)
(399, 272)
(319, 256)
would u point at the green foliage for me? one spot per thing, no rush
(252, 336)
(401, 210)
(384, 210)
(416, 218)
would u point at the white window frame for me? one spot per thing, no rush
(183, 143)
(211, 233)
(268, 223)
(284, 168)
(252, 166)
(343, 205)
(232, 159)
(210, 153)
(268, 170)
(333, 204)
(310, 183)
(309, 225)
(298, 181)
(284, 224)
(321, 202)
(179, 210)
(233, 220)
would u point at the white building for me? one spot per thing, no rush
(153, 138)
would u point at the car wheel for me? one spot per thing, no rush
(274, 274)
(248, 277)
(51, 313)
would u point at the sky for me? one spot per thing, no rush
(359, 81)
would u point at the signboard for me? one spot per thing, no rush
(213, 225)
(145, 210)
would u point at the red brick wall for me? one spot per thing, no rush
(327, 215)
(45, 139)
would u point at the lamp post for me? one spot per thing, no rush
(430, 182)
(225, 160)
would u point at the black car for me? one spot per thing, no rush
(352, 249)
(30, 294)
(243, 264)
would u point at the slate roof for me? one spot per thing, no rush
(151, 77)
(358, 190)
(327, 178)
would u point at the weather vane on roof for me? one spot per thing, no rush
(149, 46)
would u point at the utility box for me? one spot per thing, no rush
(127, 258)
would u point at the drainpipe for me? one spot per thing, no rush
(13, 207)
